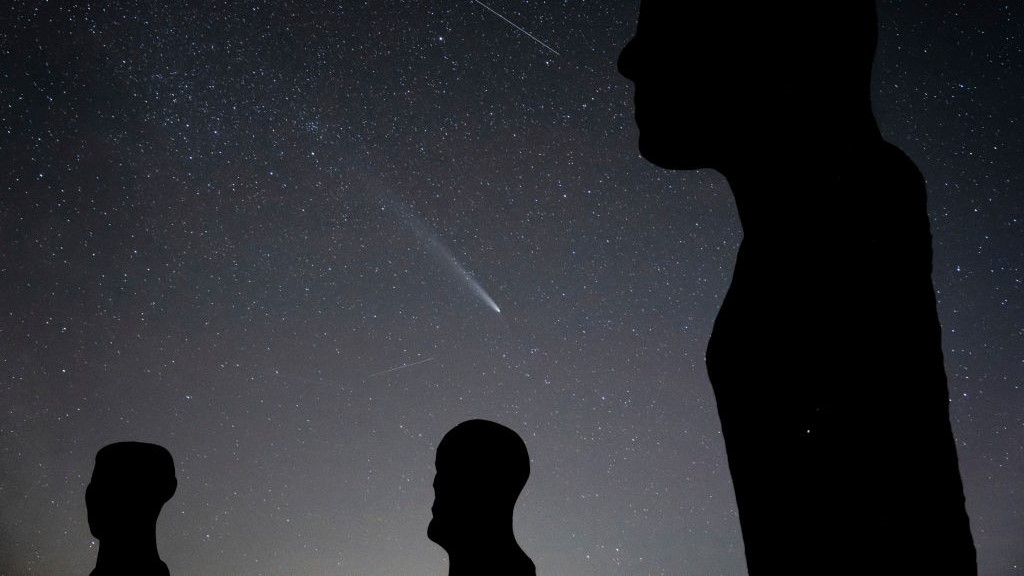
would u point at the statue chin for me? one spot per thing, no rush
(435, 533)
(661, 154)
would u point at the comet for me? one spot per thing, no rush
(434, 244)
(441, 250)
(477, 288)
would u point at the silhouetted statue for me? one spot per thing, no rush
(481, 469)
(825, 357)
(129, 486)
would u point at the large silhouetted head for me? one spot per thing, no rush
(130, 484)
(721, 82)
(481, 467)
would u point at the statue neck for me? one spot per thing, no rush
(136, 554)
(500, 556)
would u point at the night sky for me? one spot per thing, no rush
(261, 234)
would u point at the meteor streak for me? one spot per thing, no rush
(402, 367)
(532, 37)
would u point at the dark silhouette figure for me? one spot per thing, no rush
(481, 469)
(825, 357)
(129, 486)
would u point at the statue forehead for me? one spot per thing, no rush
(480, 441)
(133, 460)
(800, 15)
(832, 33)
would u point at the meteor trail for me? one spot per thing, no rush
(534, 38)
(402, 367)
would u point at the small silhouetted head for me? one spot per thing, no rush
(721, 82)
(481, 467)
(130, 484)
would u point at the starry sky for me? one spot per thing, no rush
(261, 234)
